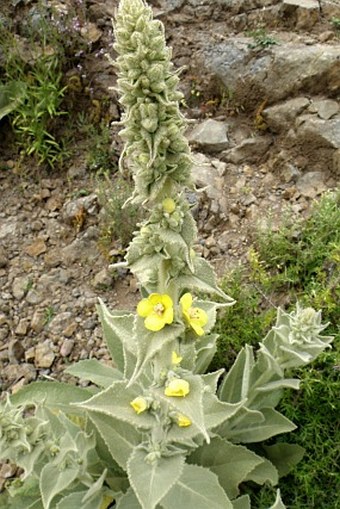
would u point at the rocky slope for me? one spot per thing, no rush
(261, 82)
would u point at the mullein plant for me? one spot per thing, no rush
(153, 430)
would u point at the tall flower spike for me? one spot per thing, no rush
(157, 151)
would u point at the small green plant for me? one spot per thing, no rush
(33, 81)
(261, 39)
(49, 313)
(117, 222)
(335, 22)
(101, 158)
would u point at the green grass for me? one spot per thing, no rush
(301, 262)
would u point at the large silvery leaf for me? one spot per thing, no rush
(235, 385)
(191, 405)
(95, 371)
(263, 473)
(129, 501)
(197, 488)
(149, 343)
(189, 229)
(75, 500)
(203, 279)
(231, 463)
(151, 480)
(284, 456)
(115, 330)
(216, 412)
(206, 349)
(54, 480)
(242, 502)
(54, 395)
(115, 402)
(274, 423)
(119, 437)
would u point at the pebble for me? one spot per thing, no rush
(44, 356)
(66, 347)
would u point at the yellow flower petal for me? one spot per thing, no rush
(139, 404)
(177, 388)
(154, 322)
(168, 205)
(175, 358)
(166, 301)
(168, 315)
(183, 421)
(155, 298)
(144, 308)
(186, 301)
(197, 328)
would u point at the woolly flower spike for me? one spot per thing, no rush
(176, 359)
(196, 317)
(177, 388)
(157, 310)
(139, 404)
(183, 421)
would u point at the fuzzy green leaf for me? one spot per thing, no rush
(53, 481)
(119, 437)
(54, 395)
(235, 385)
(278, 504)
(284, 456)
(242, 502)
(129, 501)
(231, 463)
(263, 473)
(216, 412)
(197, 488)
(206, 349)
(115, 402)
(274, 423)
(151, 481)
(76, 500)
(95, 371)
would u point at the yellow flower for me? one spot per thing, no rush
(175, 358)
(196, 317)
(177, 388)
(139, 404)
(157, 310)
(168, 205)
(183, 421)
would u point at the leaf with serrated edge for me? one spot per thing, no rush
(206, 349)
(119, 437)
(152, 481)
(211, 379)
(54, 395)
(115, 402)
(149, 343)
(128, 501)
(284, 456)
(112, 340)
(95, 371)
(264, 473)
(191, 405)
(231, 463)
(274, 424)
(278, 504)
(75, 500)
(216, 412)
(197, 488)
(53, 480)
(242, 502)
(236, 382)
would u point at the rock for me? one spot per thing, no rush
(17, 371)
(74, 209)
(311, 184)
(34, 297)
(70, 329)
(3, 257)
(22, 327)
(80, 250)
(323, 132)
(15, 350)
(283, 71)
(20, 286)
(60, 322)
(66, 347)
(91, 33)
(56, 277)
(290, 173)
(325, 109)
(38, 321)
(52, 258)
(249, 150)
(8, 228)
(304, 13)
(282, 116)
(8, 470)
(37, 248)
(103, 279)
(210, 135)
(44, 356)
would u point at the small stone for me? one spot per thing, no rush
(60, 322)
(70, 330)
(211, 135)
(8, 470)
(3, 257)
(15, 350)
(326, 109)
(37, 248)
(53, 204)
(103, 279)
(30, 354)
(52, 259)
(91, 32)
(19, 286)
(311, 184)
(290, 173)
(34, 297)
(38, 321)
(67, 347)
(22, 327)
(44, 356)
(3, 319)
